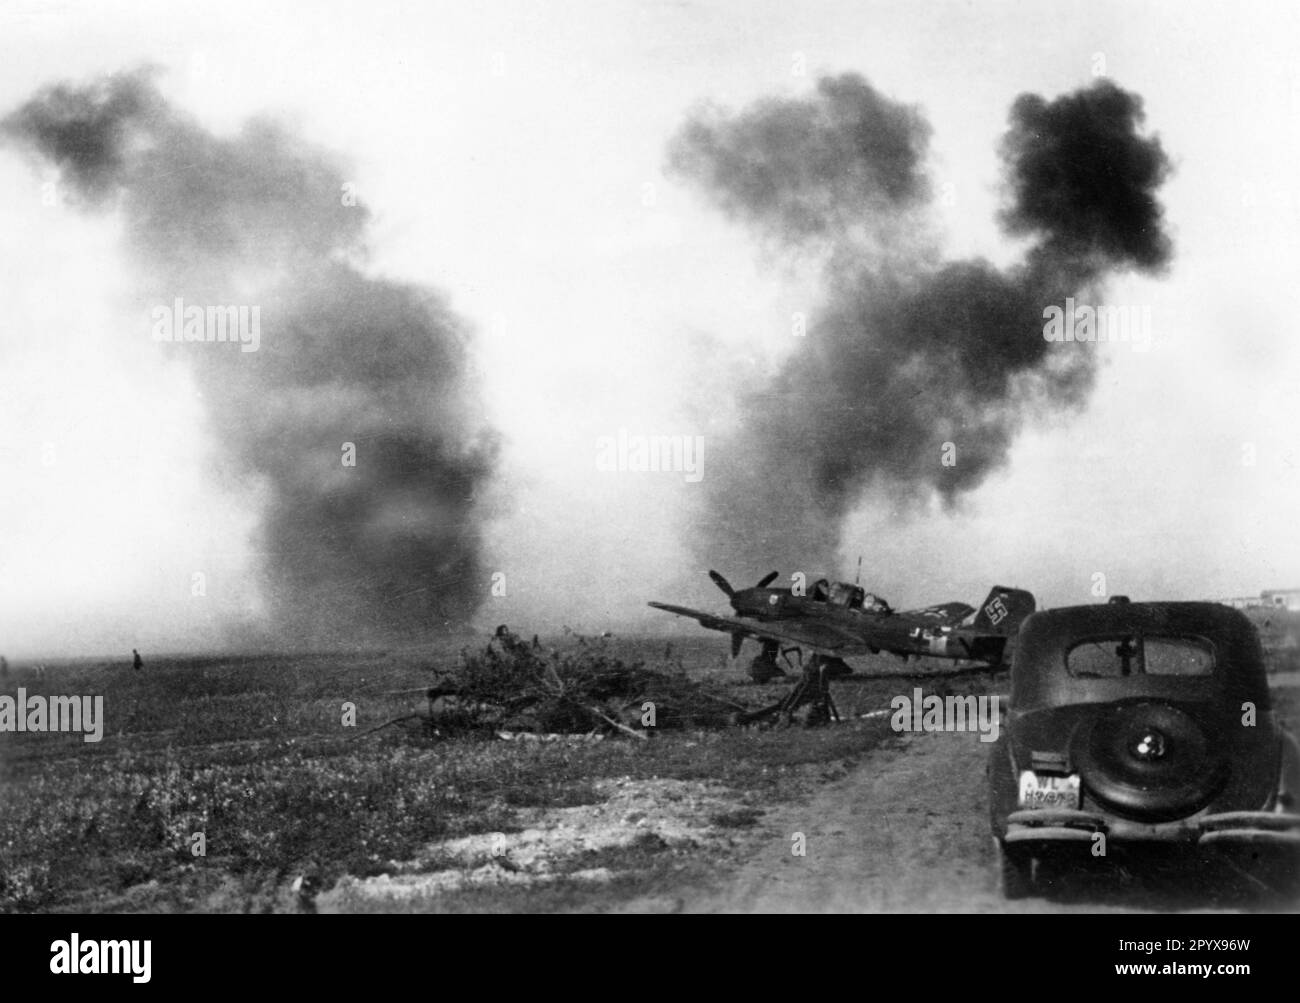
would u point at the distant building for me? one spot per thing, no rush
(1286, 599)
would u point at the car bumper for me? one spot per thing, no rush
(1230, 828)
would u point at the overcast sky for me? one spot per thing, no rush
(513, 156)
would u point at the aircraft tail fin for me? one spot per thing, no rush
(1003, 610)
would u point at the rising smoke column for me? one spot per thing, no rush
(352, 554)
(908, 351)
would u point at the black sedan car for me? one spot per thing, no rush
(1142, 725)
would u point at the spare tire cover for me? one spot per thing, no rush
(1149, 760)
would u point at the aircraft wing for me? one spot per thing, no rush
(730, 624)
(811, 635)
(943, 613)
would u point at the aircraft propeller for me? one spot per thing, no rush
(722, 583)
(725, 585)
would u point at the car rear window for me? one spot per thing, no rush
(1133, 654)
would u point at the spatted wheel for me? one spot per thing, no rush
(763, 669)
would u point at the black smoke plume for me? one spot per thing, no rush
(908, 352)
(353, 554)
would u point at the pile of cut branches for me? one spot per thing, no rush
(514, 685)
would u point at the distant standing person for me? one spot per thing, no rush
(138, 662)
(4, 667)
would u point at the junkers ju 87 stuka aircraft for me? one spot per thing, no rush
(836, 620)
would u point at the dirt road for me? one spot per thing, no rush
(906, 831)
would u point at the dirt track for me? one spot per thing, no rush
(907, 831)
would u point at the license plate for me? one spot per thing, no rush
(1040, 791)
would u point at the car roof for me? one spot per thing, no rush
(1146, 617)
(1039, 676)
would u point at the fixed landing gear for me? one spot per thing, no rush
(764, 667)
(812, 689)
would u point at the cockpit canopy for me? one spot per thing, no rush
(848, 596)
(844, 594)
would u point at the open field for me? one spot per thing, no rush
(252, 753)
(299, 813)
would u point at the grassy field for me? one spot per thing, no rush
(253, 753)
